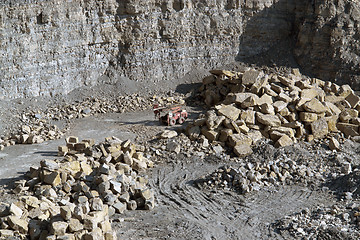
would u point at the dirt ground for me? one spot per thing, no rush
(185, 210)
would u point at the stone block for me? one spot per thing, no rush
(211, 135)
(81, 146)
(18, 224)
(65, 212)
(224, 134)
(15, 210)
(284, 141)
(284, 97)
(267, 108)
(348, 129)
(250, 77)
(319, 128)
(239, 139)
(276, 88)
(279, 105)
(75, 225)
(353, 99)
(110, 235)
(86, 168)
(6, 234)
(347, 115)
(95, 234)
(314, 106)
(238, 98)
(259, 84)
(242, 150)
(268, 119)
(138, 165)
(96, 204)
(72, 139)
(286, 81)
(334, 110)
(52, 178)
(222, 72)
(265, 98)
(249, 102)
(309, 93)
(229, 111)
(119, 207)
(308, 117)
(334, 144)
(193, 132)
(248, 116)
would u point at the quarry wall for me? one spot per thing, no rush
(51, 47)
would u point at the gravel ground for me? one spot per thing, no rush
(194, 198)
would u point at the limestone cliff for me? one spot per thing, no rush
(51, 47)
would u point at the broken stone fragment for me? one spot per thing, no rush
(15, 210)
(242, 150)
(334, 144)
(279, 105)
(52, 178)
(239, 139)
(18, 224)
(319, 128)
(228, 111)
(72, 139)
(268, 119)
(314, 106)
(348, 129)
(211, 135)
(353, 100)
(284, 141)
(168, 134)
(248, 116)
(309, 93)
(238, 98)
(308, 117)
(250, 77)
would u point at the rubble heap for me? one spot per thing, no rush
(253, 177)
(37, 126)
(249, 105)
(73, 197)
(322, 222)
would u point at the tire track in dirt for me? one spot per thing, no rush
(225, 215)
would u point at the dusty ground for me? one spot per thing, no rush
(185, 210)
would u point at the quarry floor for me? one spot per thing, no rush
(182, 211)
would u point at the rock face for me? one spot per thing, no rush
(327, 42)
(52, 47)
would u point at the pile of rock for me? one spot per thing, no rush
(334, 222)
(72, 198)
(253, 177)
(249, 105)
(120, 104)
(36, 134)
(36, 125)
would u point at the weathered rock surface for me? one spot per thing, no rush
(52, 47)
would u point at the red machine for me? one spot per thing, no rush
(172, 114)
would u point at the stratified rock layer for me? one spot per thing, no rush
(52, 47)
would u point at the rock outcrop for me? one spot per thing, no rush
(52, 47)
